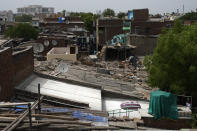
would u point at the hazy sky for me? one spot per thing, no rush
(155, 6)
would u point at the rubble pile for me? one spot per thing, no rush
(109, 75)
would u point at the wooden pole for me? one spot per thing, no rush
(97, 34)
(30, 118)
(39, 107)
(22, 116)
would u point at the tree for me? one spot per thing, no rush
(189, 16)
(63, 13)
(173, 65)
(108, 13)
(88, 19)
(22, 30)
(23, 18)
(121, 15)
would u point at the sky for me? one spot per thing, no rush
(155, 6)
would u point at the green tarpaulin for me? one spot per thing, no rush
(163, 104)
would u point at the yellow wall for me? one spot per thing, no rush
(71, 57)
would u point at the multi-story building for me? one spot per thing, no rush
(35, 9)
(6, 19)
(6, 16)
(142, 24)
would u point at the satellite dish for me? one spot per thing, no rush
(54, 42)
(62, 68)
(46, 43)
(38, 48)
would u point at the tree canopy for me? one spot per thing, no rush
(190, 16)
(23, 18)
(173, 65)
(108, 12)
(22, 30)
(121, 15)
(88, 19)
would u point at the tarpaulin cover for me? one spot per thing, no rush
(163, 104)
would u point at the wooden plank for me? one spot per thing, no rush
(14, 123)
(13, 104)
(42, 116)
(124, 124)
(34, 125)
(94, 128)
(51, 121)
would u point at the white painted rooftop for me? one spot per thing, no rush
(110, 104)
(63, 90)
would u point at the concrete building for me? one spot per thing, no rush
(35, 9)
(108, 28)
(74, 29)
(142, 24)
(7, 16)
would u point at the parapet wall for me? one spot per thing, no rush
(15, 66)
(23, 64)
(6, 73)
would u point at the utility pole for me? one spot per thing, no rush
(183, 9)
(97, 34)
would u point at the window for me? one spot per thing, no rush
(72, 50)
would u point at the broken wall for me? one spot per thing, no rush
(120, 54)
(145, 45)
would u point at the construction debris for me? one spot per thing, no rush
(109, 75)
(50, 117)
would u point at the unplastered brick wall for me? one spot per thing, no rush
(6, 74)
(14, 68)
(145, 45)
(23, 64)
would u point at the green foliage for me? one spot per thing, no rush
(194, 121)
(108, 13)
(22, 30)
(147, 61)
(23, 18)
(121, 15)
(63, 13)
(189, 16)
(173, 65)
(88, 19)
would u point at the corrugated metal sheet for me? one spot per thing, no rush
(63, 90)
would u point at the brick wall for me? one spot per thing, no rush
(23, 64)
(167, 123)
(14, 68)
(61, 42)
(149, 27)
(141, 14)
(6, 73)
(109, 28)
(145, 45)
